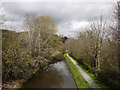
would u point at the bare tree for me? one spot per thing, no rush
(40, 31)
(115, 28)
(97, 34)
(118, 32)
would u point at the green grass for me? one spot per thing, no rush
(92, 75)
(20, 86)
(79, 80)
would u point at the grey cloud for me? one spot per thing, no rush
(62, 12)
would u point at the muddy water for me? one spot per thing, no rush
(55, 76)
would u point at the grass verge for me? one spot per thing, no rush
(79, 79)
(92, 75)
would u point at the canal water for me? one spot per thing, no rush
(55, 76)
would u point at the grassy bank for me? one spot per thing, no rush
(80, 81)
(92, 75)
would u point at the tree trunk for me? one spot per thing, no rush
(118, 3)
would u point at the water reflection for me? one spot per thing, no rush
(56, 76)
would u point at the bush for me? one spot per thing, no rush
(58, 57)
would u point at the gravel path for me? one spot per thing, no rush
(86, 77)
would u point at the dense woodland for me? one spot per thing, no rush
(96, 48)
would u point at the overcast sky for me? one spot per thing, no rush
(70, 17)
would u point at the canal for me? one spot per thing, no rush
(55, 76)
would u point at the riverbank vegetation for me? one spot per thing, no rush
(97, 49)
(79, 79)
(26, 52)
(101, 60)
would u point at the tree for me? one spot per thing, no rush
(99, 29)
(115, 27)
(2, 19)
(40, 32)
(118, 31)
